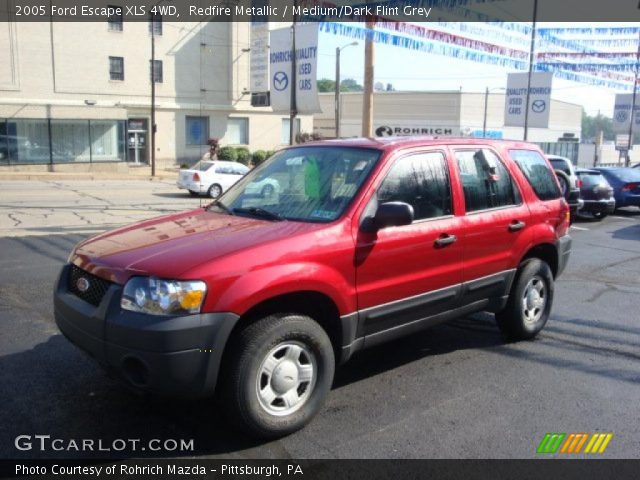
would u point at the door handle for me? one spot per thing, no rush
(516, 226)
(445, 240)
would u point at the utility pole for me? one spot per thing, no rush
(367, 96)
(294, 81)
(531, 60)
(153, 98)
(484, 121)
(627, 161)
(337, 87)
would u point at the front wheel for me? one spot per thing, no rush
(281, 370)
(530, 301)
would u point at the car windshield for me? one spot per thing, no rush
(310, 184)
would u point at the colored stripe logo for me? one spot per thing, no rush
(573, 443)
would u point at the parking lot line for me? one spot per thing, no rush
(621, 218)
(579, 228)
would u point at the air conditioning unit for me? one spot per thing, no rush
(261, 99)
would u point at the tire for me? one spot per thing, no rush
(267, 191)
(523, 317)
(266, 361)
(599, 215)
(563, 180)
(214, 191)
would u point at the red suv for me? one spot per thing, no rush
(259, 296)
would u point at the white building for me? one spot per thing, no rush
(446, 113)
(80, 93)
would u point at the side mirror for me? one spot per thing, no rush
(390, 214)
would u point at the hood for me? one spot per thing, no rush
(171, 245)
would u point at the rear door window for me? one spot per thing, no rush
(486, 181)
(537, 172)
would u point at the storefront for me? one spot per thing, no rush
(55, 141)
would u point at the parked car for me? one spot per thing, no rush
(368, 240)
(625, 183)
(263, 186)
(569, 182)
(596, 193)
(211, 177)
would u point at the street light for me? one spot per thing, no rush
(337, 101)
(486, 104)
(153, 88)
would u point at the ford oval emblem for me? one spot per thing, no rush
(82, 284)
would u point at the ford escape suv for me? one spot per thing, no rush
(259, 297)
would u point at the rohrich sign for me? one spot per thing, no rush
(409, 130)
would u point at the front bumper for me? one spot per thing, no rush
(563, 246)
(167, 355)
(605, 205)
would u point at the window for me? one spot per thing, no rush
(156, 70)
(116, 68)
(197, 130)
(538, 173)
(155, 24)
(560, 164)
(237, 131)
(284, 132)
(485, 180)
(421, 181)
(225, 168)
(115, 20)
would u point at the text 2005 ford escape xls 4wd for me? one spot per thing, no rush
(259, 296)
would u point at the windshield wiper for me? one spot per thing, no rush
(260, 212)
(222, 207)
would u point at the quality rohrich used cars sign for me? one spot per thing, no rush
(539, 99)
(280, 60)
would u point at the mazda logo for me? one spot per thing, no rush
(384, 131)
(538, 106)
(82, 284)
(280, 81)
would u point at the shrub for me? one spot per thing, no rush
(270, 153)
(228, 153)
(258, 157)
(243, 155)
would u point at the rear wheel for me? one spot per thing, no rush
(530, 301)
(215, 190)
(281, 370)
(267, 191)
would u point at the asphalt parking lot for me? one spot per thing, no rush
(456, 391)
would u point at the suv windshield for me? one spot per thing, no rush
(311, 184)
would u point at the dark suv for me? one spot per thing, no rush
(259, 297)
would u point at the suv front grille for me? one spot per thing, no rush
(97, 287)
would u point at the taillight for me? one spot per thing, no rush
(579, 183)
(629, 186)
(564, 221)
(196, 177)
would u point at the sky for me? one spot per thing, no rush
(418, 71)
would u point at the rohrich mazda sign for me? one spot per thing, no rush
(407, 130)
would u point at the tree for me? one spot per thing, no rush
(390, 87)
(591, 126)
(326, 85)
(350, 85)
(378, 86)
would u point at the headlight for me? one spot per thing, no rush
(163, 297)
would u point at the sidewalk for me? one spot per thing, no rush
(134, 173)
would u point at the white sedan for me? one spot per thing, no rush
(211, 177)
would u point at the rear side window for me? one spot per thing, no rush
(539, 175)
(422, 181)
(561, 165)
(485, 180)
